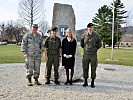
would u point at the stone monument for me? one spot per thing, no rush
(63, 18)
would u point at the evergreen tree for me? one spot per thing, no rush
(119, 19)
(102, 23)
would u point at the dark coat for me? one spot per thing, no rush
(68, 48)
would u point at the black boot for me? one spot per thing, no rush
(56, 82)
(30, 82)
(92, 83)
(48, 81)
(85, 83)
(37, 82)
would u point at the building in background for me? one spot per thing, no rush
(126, 40)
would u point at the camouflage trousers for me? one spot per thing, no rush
(92, 60)
(33, 67)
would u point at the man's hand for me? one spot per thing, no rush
(45, 54)
(25, 56)
(41, 55)
(59, 59)
(46, 58)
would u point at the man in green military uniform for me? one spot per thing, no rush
(52, 55)
(90, 42)
(32, 47)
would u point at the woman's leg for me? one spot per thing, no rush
(67, 75)
(72, 72)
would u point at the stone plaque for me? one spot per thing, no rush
(62, 30)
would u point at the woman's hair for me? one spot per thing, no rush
(70, 30)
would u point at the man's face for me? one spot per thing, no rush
(53, 33)
(34, 29)
(90, 29)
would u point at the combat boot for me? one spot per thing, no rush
(92, 83)
(30, 82)
(48, 81)
(56, 82)
(85, 83)
(37, 82)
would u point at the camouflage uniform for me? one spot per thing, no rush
(33, 47)
(90, 44)
(52, 47)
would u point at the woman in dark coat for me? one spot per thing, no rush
(68, 54)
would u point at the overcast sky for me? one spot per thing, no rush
(84, 10)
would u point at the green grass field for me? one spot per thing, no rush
(120, 56)
(13, 54)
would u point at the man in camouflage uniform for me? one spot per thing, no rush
(32, 47)
(52, 55)
(90, 42)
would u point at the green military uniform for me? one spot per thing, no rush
(52, 46)
(90, 44)
(32, 45)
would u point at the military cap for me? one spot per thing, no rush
(35, 25)
(89, 25)
(48, 31)
(54, 29)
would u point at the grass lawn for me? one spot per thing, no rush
(11, 54)
(120, 57)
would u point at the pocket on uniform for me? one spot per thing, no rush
(26, 63)
(30, 40)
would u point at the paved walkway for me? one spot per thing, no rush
(113, 83)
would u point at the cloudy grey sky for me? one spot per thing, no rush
(84, 10)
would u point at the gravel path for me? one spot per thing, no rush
(115, 84)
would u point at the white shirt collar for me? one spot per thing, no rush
(69, 39)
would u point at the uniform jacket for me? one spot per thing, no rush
(32, 45)
(52, 45)
(90, 43)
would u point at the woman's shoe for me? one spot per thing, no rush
(67, 82)
(70, 82)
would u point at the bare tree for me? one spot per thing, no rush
(44, 27)
(2, 29)
(32, 11)
(15, 31)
